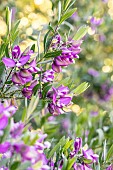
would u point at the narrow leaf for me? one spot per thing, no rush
(71, 161)
(67, 15)
(110, 153)
(57, 146)
(81, 32)
(53, 54)
(66, 4)
(81, 88)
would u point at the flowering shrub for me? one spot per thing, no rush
(30, 93)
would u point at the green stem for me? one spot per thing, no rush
(7, 79)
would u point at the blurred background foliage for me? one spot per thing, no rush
(92, 115)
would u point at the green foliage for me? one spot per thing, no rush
(81, 33)
(80, 89)
(66, 15)
(70, 163)
(32, 105)
(109, 154)
(60, 144)
(52, 54)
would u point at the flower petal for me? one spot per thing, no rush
(24, 59)
(16, 51)
(16, 79)
(8, 62)
(3, 122)
(4, 147)
(24, 73)
(56, 68)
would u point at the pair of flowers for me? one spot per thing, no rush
(59, 98)
(86, 154)
(23, 66)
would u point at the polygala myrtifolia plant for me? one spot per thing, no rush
(30, 76)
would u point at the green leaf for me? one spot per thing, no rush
(105, 151)
(32, 106)
(97, 166)
(24, 165)
(33, 47)
(81, 32)
(32, 38)
(64, 163)
(68, 144)
(24, 113)
(35, 89)
(69, 4)
(4, 162)
(15, 28)
(53, 54)
(70, 163)
(80, 89)
(45, 40)
(87, 161)
(2, 66)
(8, 18)
(109, 154)
(45, 90)
(15, 165)
(61, 143)
(67, 15)
(64, 81)
(66, 3)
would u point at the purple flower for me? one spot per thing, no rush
(16, 52)
(94, 113)
(4, 147)
(5, 113)
(17, 59)
(70, 51)
(110, 167)
(78, 167)
(32, 67)
(60, 98)
(16, 79)
(77, 147)
(16, 129)
(88, 154)
(96, 21)
(26, 152)
(55, 110)
(21, 77)
(3, 122)
(48, 76)
(93, 72)
(104, 1)
(28, 91)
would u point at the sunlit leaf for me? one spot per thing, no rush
(80, 89)
(67, 15)
(57, 146)
(81, 32)
(109, 154)
(53, 54)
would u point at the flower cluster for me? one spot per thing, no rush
(86, 154)
(32, 152)
(59, 97)
(6, 111)
(48, 76)
(22, 67)
(70, 51)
